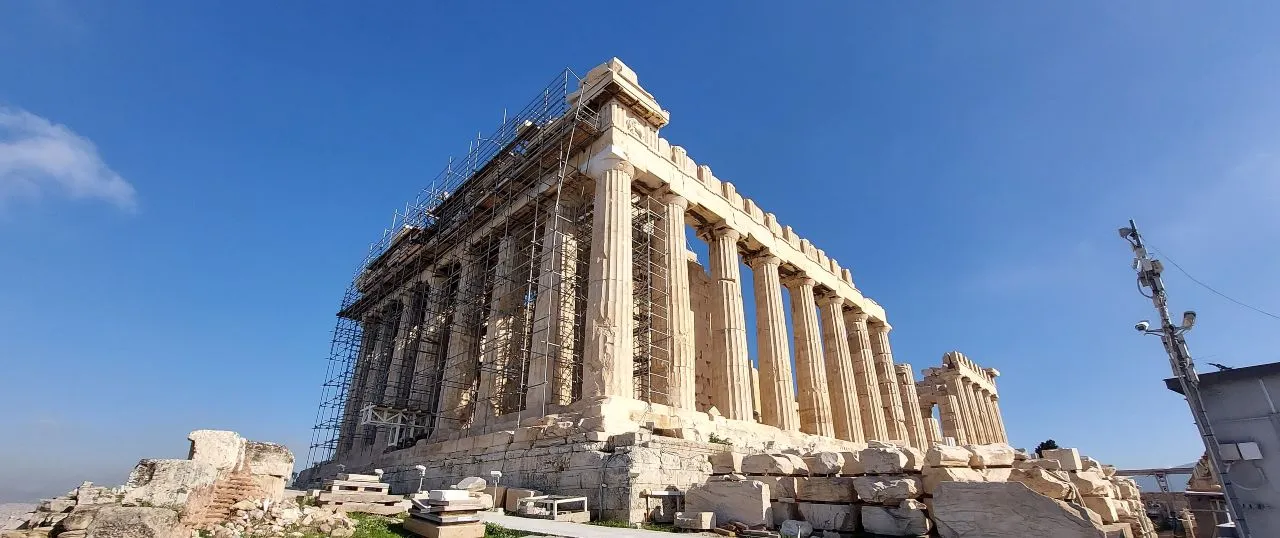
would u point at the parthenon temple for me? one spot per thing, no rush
(544, 292)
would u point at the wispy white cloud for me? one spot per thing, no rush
(39, 158)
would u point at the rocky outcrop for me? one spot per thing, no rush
(1005, 510)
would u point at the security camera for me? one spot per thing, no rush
(1142, 326)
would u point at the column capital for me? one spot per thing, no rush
(798, 280)
(718, 230)
(858, 316)
(762, 259)
(830, 299)
(609, 158)
(880, 325)
(670, 197)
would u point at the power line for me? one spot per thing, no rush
(1210, 288)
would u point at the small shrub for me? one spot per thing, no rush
(720, 440)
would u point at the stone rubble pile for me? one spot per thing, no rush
(283, 519)
(987, 490)
(169, 498)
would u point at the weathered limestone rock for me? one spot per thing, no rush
(780, 487)
(933, 476)
(472, 483)
(168, 483)
(778, 464)
(268, 458)
(852, 463)
(746, 501)
(1005, 510)
(830, 517)
(887, 460)
(792, 528)
(701, 521)
(1089, 464)
(1068, 458)
(887, 489)
(134, 522)
(223, 449)
(1091, 483)
(832, 489)
(1051, 484)
(726, 462)
(1129, 490)
(1048, 465)
(1104, 507)
(947, 456)
(798, 466)
(996, 474)
(908, 519)
(993, 455)
(824, 463)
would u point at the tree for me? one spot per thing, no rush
(1045, 445)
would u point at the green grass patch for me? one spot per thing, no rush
(610, 523)
(660, 527)
(498, 531)
(371, 526)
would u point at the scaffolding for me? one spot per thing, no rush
(470, 308)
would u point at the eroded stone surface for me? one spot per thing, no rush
(746, 501)
(1004, 510)
(895, 521)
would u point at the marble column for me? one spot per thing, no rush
(999, 418)
(812, 397)
(731, 369)
(607, 365)
(864, 370)
(455, 406)
(894, 416)
(975, 413)
(427, 357)
(955, 389)
(777, 390)
(988, 413)
(495, 346)
(911, 406)
(682, 386)
(845, 416)
(933, 433)
(550, 378)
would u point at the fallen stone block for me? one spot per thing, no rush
(996, 474)
(1104, 507)
(498, 494)
(351, 477)
(780, 487)
(885, 460)
(852, 464)
(726, 462)
(829, 517)
(933, 476)
(1068, 458)
(471, 483)
(798, 466)
(895, 521)
(1048, 465)
(947, 456)
(168, 483)
(426, 529)
(700, 521)
(887, 489)
(133, 522)
(1051, 484)
(746, 501)
(767, 464)
(824, 463)
(515, 494)
(1090, 464)
(792, 528)
(831, 489)
(1005, 510)
(268, 459)
(993, 455)
(225, 450)
(1091, 483)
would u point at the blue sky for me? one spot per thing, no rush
(185, 190)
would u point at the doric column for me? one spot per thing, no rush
(911, 406)
(845, 417)
(959, 409)
(864, 370)
(777, 393)
(813, 399)
(458, 380)
(426, 358)
(999, 418)
(895, 421)
(607, 359)
(988, 421)
(933, 434)
(975, 413)
(550, 379)
(731, 369)
(496, 343)
(682, 386)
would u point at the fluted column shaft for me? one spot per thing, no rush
(975, 414)
(894, 416)
(607, 360)
(495, 345)
(425, 361)
(845, 416)
(454, 408)
(988, 422)
(999, 417)
(960, 410)
(814, 401)
(550, 379)
(864, 370)
(911, 406)
(682, 386)
(777, 392)
(731, 370)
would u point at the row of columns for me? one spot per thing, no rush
(848, 386)
(969, 408)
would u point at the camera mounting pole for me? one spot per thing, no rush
(1184, 369)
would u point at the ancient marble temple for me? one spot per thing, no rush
(553, 292)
